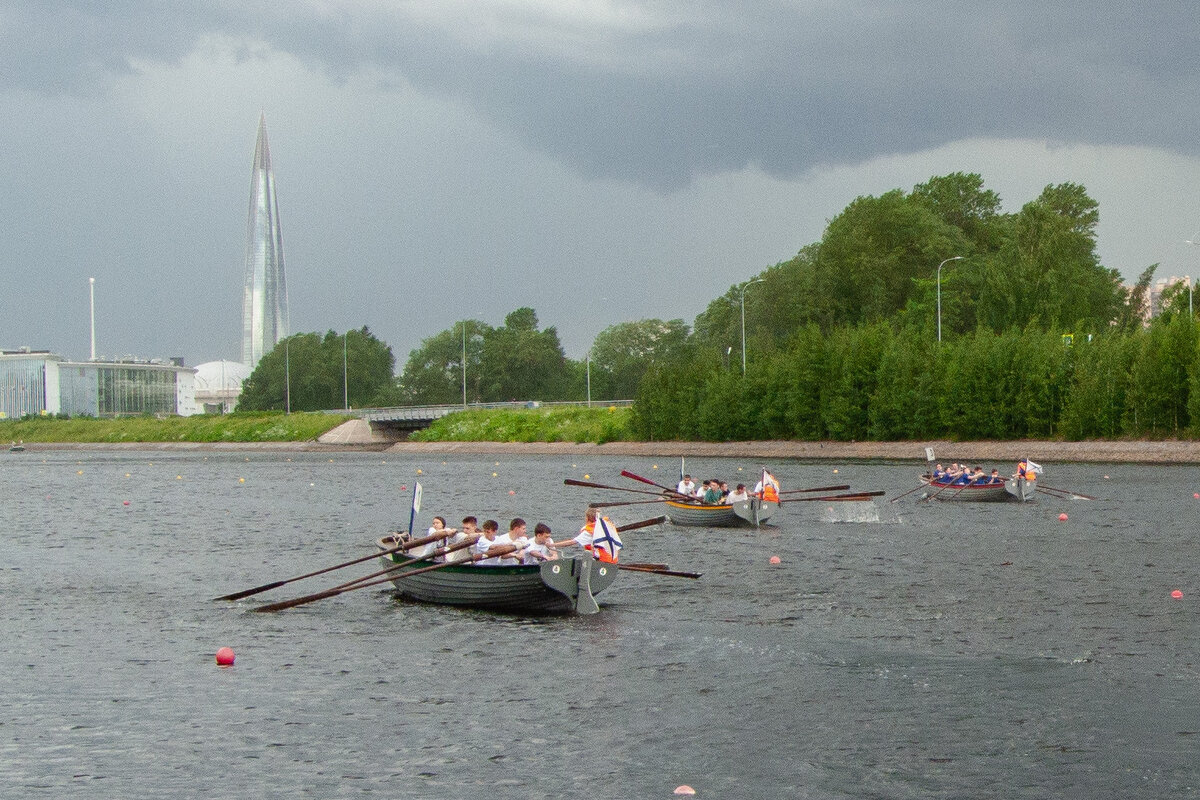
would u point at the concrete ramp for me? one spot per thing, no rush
(359, 431)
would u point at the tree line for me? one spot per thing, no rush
(1038, 338)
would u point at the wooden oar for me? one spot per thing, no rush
(646, 523)
(1040, 485)
(277, 584)
(818, 489)
(626, 503)
(626, 473)
(667, 572)
(851, 496)
(590, 485)
(910, 491)
(364, 582)
(645, 565)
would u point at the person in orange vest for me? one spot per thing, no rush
(584, 539)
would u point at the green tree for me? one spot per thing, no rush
(519, 362)
(310, 369)
(622, 353)
(433, 374)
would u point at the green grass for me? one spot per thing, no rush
(570, 424)
(267, 426)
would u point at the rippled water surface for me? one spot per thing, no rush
(900, 649)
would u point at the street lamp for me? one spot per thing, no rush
(745, 286)
(345, 382)
(939, 291)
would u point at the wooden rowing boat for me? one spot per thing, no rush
(744, 512)
(1011, 489)
(561, 586)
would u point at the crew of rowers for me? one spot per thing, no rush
(964, 475)
(495, 549)
(716, 492)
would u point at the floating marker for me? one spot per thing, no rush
(312, 484)
(241, 480)
(178, 477)
(79, 472)
(497, 463)
(493, 474)
(684, 789)
(655, 466)
(126, 474)
(225, 657)
(403, 488)
(1196, 495)
(587, 477)
(835, 472)
(776, 559)
(126, 502)
(1062, 517)
(419, 472)
(510, 491)
(1178, 595)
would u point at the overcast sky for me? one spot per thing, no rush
(600, 161)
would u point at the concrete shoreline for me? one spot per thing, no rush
(1132, 452)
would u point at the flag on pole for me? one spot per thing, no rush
(416, 506)
(770, 487)
(605, 541)
(1032, 468)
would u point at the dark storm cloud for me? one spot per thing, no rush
(653, 94)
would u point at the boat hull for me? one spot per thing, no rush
(746, 512)
(561, 586)
(1011, 489)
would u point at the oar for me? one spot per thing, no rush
(364, 582)
(626, 503)
(910, 491)
(667, 572)
(645, 565)
(646, 523)
(1039, 485)
(589, 485)
(277, 584)
(818, 489)
(626, 473)
(851, 496)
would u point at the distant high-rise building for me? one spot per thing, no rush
(264, 298)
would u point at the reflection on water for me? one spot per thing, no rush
(910, 650)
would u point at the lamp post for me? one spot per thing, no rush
(745, 286)
(92, 304)
(589, 379)
(345, 382)
(939, 292)
(464, 362)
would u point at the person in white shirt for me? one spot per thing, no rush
(686, 486)
(438, 527)
(584, 539)
(467, 530)
(517, 538)
(738, 495)
(487, 543)
(539, 549)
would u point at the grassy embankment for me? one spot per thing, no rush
(569, 424)
(239, 427)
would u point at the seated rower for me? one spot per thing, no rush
(738, 495)
(995, 477)
(539, 550)
(469, 528)
(712, 495)
(438, 527)
(486, 544)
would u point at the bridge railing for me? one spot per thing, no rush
(432, 412)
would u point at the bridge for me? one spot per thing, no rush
(412, 418)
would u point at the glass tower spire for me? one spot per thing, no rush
(264, 298)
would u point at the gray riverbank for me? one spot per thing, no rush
(1133, 452)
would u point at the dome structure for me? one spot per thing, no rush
(219, 384)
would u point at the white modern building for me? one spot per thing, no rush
(37, 381)
(219, 384)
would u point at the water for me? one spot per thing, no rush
(899, 650)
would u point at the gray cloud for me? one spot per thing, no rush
(644, 92)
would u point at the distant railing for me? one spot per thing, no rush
(428, 414)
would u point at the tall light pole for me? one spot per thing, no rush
(939, 291)
(345, 382)
(589, 379)
(92, 303)
(464, 363)
(745, 286)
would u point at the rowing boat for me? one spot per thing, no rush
(1020, 489)
(744, 512)
(560, 586)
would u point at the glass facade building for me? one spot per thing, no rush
(264, 296)
(32, 383)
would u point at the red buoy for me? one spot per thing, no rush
(1178, 595)
(225, 657)
(776, 559)
(1062, 517)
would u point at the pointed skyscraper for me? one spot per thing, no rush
(264, 298)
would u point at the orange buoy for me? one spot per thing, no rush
(1062, 517)
(1178, 595)
(225, 657)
